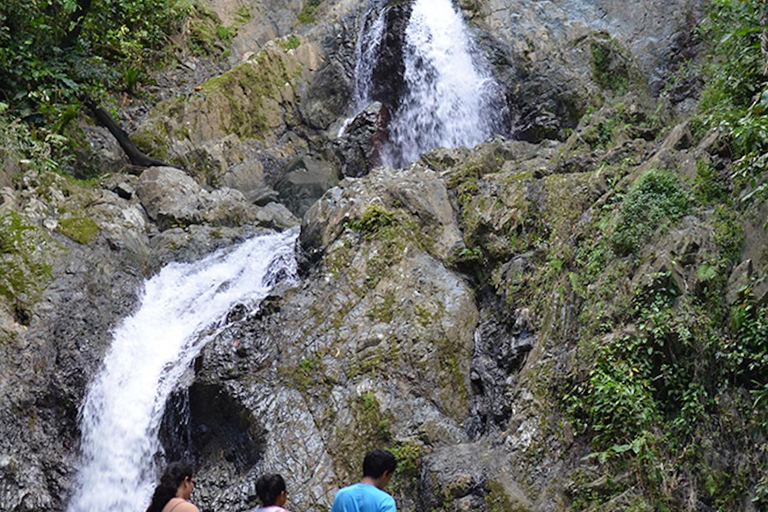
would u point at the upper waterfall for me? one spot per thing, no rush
(450, 99)
(152, 350)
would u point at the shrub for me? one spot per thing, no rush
(655, 200)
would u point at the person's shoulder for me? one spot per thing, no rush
(387, 503)
(186, 507)
(349, 488)
(344, 491)
(179, 505)
(384, 499)
(384, 496)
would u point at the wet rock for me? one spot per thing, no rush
(359, 148)
(327, 97)
(502, 342)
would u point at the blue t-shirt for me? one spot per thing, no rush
(363, 498)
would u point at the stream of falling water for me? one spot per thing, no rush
(450, 95)
(181, 308)
(451, 98)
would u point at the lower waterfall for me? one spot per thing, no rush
(181, 309)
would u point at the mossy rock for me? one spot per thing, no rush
(307, 13)
(207, 35)
(256, 99)
(251, 94)
(152, 142)
(610, 64)
(25, 268)
(82, 230)
(369, 428)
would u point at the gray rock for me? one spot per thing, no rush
(305, 180)
(171, 197)
(358, 149)
(327, 96)
(418, 190)
(248, 178)
(277, 216)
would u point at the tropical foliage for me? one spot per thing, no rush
(55, 53)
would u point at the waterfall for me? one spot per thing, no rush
(367, 50)
(181, 309)
(366, 54)
(450, 98)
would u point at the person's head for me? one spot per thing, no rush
(177, 481)
(379, 465)
(271, 490)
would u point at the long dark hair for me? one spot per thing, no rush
(169, 484)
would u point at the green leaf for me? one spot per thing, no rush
(621, 448)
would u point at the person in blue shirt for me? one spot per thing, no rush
(369, 495)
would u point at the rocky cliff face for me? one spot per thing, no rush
(448, 310)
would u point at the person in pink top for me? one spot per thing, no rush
(272, 493)
(173, 492)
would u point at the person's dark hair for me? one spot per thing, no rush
(174, 474)
(268, 488)
(377, 462)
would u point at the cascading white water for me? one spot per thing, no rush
(368, 44)
(180, 310)
(366, 52)
(450, 96)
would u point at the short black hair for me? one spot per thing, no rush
(377, 462)
(268, 488)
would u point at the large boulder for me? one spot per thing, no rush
(418, 190)
(172, 198)
(204, 131)
(557, 62)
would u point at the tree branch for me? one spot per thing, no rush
(135, 156)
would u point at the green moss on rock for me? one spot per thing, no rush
(307, 13)
(370, 428)
(82, 230)
(609, 65)
(206, 32)
(24, 267)
(252, 93)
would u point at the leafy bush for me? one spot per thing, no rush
(747, 351)
(17, 143)
(657, 198)
(735, 100)
(57, 52)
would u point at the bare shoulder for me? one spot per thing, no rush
(187, 507)
(177, 505)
